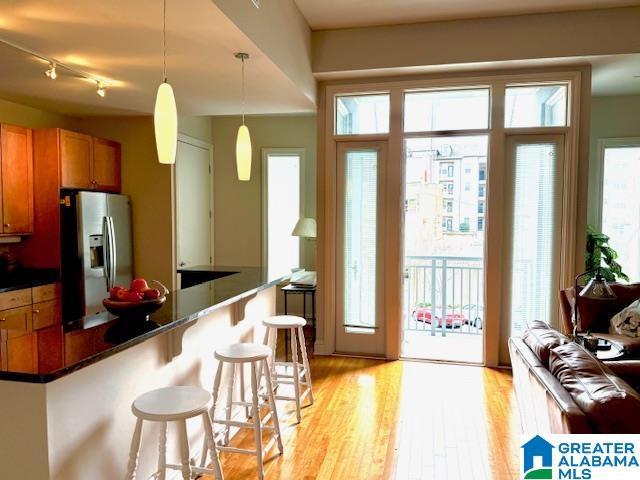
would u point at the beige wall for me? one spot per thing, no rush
(22, 115)
(611, 117)
(478, 40)
(238, 205)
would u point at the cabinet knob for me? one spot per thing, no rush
(7, 225)
(3, 319)
(36, 310)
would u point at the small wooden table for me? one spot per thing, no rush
(292, 289)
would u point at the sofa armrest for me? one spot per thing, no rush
(628, 370)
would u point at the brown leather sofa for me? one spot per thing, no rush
(596, 314)
(561, 388)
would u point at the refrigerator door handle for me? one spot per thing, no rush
(113, 252)
(106, 245)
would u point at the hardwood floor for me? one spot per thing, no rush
(394, 420)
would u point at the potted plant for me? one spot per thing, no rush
(600, 254)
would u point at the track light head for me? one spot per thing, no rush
(101, 88)
(51, 71)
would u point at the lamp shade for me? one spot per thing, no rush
(243, 154)
(598, 289)
(306, 227)
(165, 123)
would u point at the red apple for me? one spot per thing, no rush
(139, 285)
(113, 292)
(122, 294)
(151, 294)
(134, 297)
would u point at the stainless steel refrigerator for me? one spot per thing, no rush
(96, 249)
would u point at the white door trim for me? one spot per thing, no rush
(174, 217)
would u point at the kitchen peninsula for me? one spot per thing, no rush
(70, 420)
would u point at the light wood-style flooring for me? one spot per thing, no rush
(394, 420)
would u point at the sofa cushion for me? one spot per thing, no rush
(610, 403)
(541, 338)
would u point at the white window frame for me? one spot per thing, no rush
(603, 144)
(266, 152)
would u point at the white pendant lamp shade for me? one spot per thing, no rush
(243, 154)
(165, 122)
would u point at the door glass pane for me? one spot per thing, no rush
(362, 114)
(444, 231)
(446, 110)
(532, 283)
(360, 238)
(283, 212)
(536, 106)
(621, 205)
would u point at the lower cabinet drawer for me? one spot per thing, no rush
(16, 319)
(15, 298)
(46, 314)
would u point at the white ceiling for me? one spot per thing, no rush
(328, 14)
(122, 40)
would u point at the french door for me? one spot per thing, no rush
(533, 233)
(359, 269)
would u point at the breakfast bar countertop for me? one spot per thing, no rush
(78, 343)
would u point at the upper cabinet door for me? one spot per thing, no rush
(76, 156)
(106, 165)
(17, 180)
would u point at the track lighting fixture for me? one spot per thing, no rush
(101, 88)
(51, 71)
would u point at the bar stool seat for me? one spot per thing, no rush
(174, 404)
(284, 321)
(300, 376)
(243, 353)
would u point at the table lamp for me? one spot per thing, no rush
(597, 288)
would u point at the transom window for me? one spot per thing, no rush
(362, 114)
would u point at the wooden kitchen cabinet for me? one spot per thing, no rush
(30, 309)
(89, 163)
(76, 156)
(16, 158)
(106, 165)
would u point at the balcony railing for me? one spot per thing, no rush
(444, 295)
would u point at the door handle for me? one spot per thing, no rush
(113, 252)
(106, 246)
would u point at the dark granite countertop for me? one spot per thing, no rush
(27, 278)
(78, 343)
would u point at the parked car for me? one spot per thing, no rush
(451, 320)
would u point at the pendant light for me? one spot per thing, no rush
(165, 115)
(243, 141)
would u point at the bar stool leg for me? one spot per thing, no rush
(227, 428)
(257, 428)
(272, 405)
(242, 392)
(135, 448)
(305, 363)
(183, 440)
(162, 452)
(296, 373)
(211, 444)
(216, 391)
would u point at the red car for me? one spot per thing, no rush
(423, 314)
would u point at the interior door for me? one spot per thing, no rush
(193, 205)
(17, 180)
(360, 326)
(533, 231)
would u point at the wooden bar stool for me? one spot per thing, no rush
(237, 355)
(299, 376)
(174, 404)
